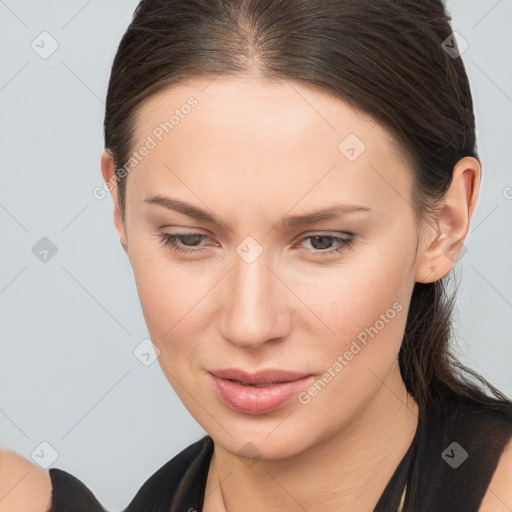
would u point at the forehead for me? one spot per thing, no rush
(286, 105)
(265, 135)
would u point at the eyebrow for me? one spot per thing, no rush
(332, 212)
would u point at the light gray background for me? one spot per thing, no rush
(68, 375)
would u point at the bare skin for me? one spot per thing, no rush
(24, 487)
(250, 153)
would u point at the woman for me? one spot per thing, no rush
(292, 181)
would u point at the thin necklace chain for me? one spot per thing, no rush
(402, 500)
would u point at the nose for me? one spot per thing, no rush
(254, 309)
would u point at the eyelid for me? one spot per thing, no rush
(335, 234)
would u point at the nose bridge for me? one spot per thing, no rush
(252, 309)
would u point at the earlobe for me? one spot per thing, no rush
(108, 173)
(452, 223)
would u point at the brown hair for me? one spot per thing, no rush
(386, 58)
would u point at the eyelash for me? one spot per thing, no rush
(345, 242)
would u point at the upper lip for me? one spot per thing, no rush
(258, 377)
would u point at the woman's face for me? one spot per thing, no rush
(258, 288)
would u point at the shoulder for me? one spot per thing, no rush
(181, 474)
(482, 428)
(471, 418)
(494, 435)
(498, 497)
(24, 487)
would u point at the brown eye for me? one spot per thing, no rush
(321, 243)
(181, 242)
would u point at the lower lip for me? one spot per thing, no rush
(253, 400)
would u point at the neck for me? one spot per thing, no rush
(346, 472)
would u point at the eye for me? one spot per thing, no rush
(322, 243)
(185, 238)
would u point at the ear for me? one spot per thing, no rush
(452, 222)
(107, 170)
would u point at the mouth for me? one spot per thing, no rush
(257, 393)
(264, 377)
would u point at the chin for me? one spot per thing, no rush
(263, 449)
(268, 443)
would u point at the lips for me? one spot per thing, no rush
(261, 377)
(257, 393)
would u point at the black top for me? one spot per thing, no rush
(448, 466)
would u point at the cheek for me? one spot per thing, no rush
(360, 316)
(366, 308)
(352, 296)
(164, 288)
